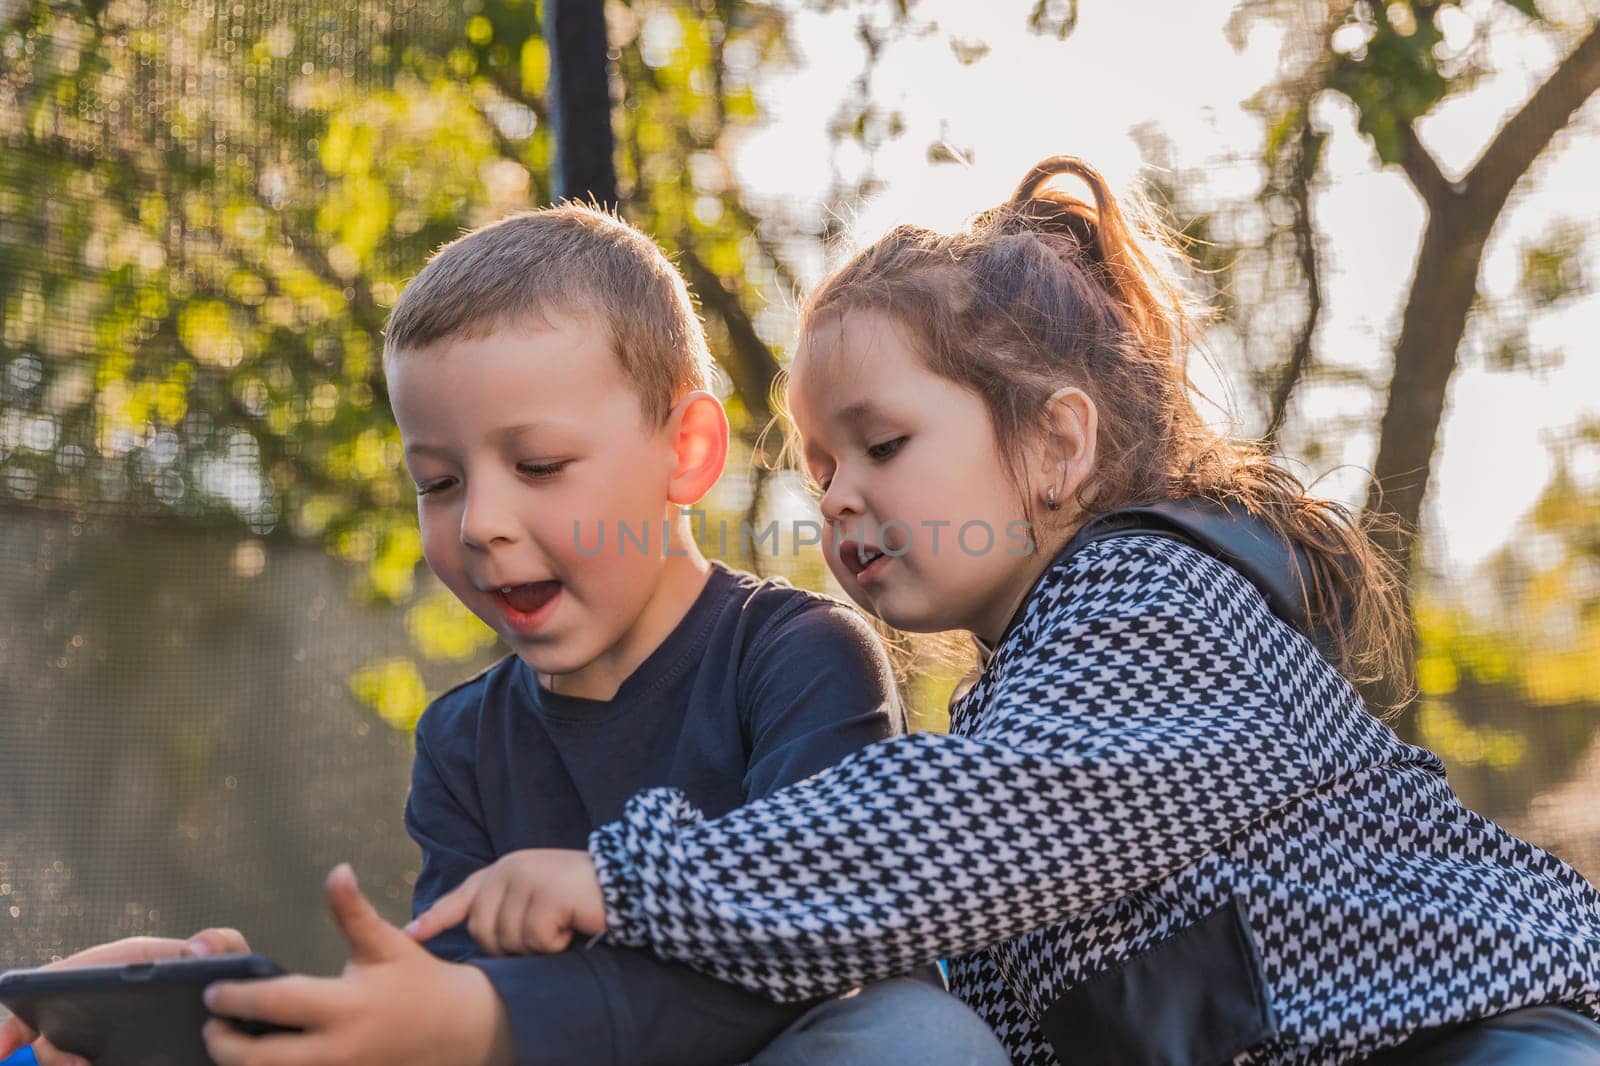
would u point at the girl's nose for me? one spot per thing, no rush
(841, 501)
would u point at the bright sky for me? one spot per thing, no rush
(1030, 97)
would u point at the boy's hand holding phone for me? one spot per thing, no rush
(395, 1003)
(527, 901)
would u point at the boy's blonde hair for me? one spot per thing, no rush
(572, 258)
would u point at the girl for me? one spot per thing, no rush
(1163, 826)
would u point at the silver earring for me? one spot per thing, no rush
(1050, 500)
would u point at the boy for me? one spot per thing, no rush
(641, 662)
(548, 376)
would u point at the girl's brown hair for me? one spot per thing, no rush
(1048, 290)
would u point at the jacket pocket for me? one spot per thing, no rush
(1196, 998)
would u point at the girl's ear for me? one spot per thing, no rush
(698, 428)
(1067, 458)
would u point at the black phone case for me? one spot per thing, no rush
(145, 1014)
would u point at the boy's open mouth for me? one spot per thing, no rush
(525, 599)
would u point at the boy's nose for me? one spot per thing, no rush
(484, 521)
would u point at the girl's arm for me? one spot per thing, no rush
(1129, 730)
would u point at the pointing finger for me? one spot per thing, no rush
(484, 921)
(448, 911)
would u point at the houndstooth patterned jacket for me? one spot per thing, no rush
(1161, 825)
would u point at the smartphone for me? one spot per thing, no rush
(142, 1014)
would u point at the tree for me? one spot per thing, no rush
(1389, 61)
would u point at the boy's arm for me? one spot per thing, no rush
(597, 1005)
(815, 687)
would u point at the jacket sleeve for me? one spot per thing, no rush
(602, 1004)
(978, 982)
(1127, 732)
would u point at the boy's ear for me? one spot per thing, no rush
(699, 430)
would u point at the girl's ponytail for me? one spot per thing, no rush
(1115, 243)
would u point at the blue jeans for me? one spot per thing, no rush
(1532, 1036)
(900, 1020)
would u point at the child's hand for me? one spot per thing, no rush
(526, 901)
(14, 1035)
(394, 1003)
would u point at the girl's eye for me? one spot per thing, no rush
(543, 470)
(886, 449)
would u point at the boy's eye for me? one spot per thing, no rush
(431, 487)
(543, 469)
(885, 449)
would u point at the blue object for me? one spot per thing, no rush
(21, 1058)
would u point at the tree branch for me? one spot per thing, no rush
(1441, 296)
(1544, 115)
(750, 363)
(1423, 169)
(1305, 242)
(781, 270)
(508, 83)
(508, 149)
(748, 360)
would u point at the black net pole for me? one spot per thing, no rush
(580, 100)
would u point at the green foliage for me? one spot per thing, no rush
(1552, 270)
(205, 215)
(394, 688)
(1390, 59)
(1393, 77)
(1477, 670)
(1395, 62)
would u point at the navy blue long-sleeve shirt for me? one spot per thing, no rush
(760, 685)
